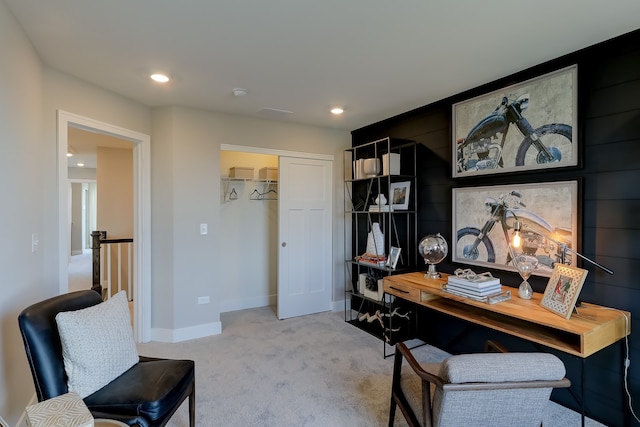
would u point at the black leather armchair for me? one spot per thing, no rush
(147, 394)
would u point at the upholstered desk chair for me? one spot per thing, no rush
(484, 389)
(146, 394)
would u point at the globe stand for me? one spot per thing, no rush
(432, 273)
(433, 249)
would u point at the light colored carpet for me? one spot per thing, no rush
(80, 272)
(308, 371)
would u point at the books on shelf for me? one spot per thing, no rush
(478, 282)
(377, 261)
(380, 208)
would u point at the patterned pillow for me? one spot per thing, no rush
(97, 344)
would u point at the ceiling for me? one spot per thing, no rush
(375, 58)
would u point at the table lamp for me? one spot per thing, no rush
(516, 241)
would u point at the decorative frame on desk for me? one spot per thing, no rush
(484, 219)
(563, 288)
(399, 195)
(485, 136)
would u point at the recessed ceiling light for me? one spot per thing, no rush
(238, 91)
(337, 110)
(160, 78)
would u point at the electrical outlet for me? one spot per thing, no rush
(203, 300)
(203, 229)
(35, 242)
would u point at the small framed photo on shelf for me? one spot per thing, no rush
(563, 288)
(399, 195)
(394, 255)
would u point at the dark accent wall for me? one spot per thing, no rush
(609, 210)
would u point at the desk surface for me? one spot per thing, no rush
(590, 330)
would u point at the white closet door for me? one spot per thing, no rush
(304, 232)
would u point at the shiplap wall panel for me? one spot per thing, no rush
(609, 205)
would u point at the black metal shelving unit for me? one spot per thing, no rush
(399, 227)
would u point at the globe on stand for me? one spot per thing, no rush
(433, 248)
(525, 264)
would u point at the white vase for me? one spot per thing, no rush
(375, 240)
(381, 200)
(371, 167)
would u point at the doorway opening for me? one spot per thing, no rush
(248, 213)
(67, 124)
(277, 281)
(83, 205)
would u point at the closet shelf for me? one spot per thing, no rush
(231, 179)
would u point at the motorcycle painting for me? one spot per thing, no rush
(527, 126)
(484, 220)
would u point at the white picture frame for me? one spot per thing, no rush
(563, 289)
(399, 193)
(394, 255)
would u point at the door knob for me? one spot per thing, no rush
(284, 244)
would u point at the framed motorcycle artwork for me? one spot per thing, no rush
(484, 223)
(527, 126)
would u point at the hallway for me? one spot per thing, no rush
(80, 271)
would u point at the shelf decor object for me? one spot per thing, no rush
(375, 241)
(433, 248)
(399, 195)
(394, 255)
(391, 164)
(563, 288)
(371, 286)
(371, 167)
(525, 265)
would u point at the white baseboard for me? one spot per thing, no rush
(185, 334)
(271, 300)
(339, 305)
(215, 328)
(246, 303)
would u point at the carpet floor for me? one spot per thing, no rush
(307, 371)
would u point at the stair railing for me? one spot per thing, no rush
(103, 280)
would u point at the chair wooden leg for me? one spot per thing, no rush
(392, 411)
(192, 408)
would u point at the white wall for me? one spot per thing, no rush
(185, 192)
(23, 209)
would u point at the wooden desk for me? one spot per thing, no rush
(583, 334)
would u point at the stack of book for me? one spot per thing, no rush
(369, 259)
(380, 208)
(478, 288)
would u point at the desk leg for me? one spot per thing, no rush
(582, 406)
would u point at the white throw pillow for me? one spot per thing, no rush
(97, 344)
